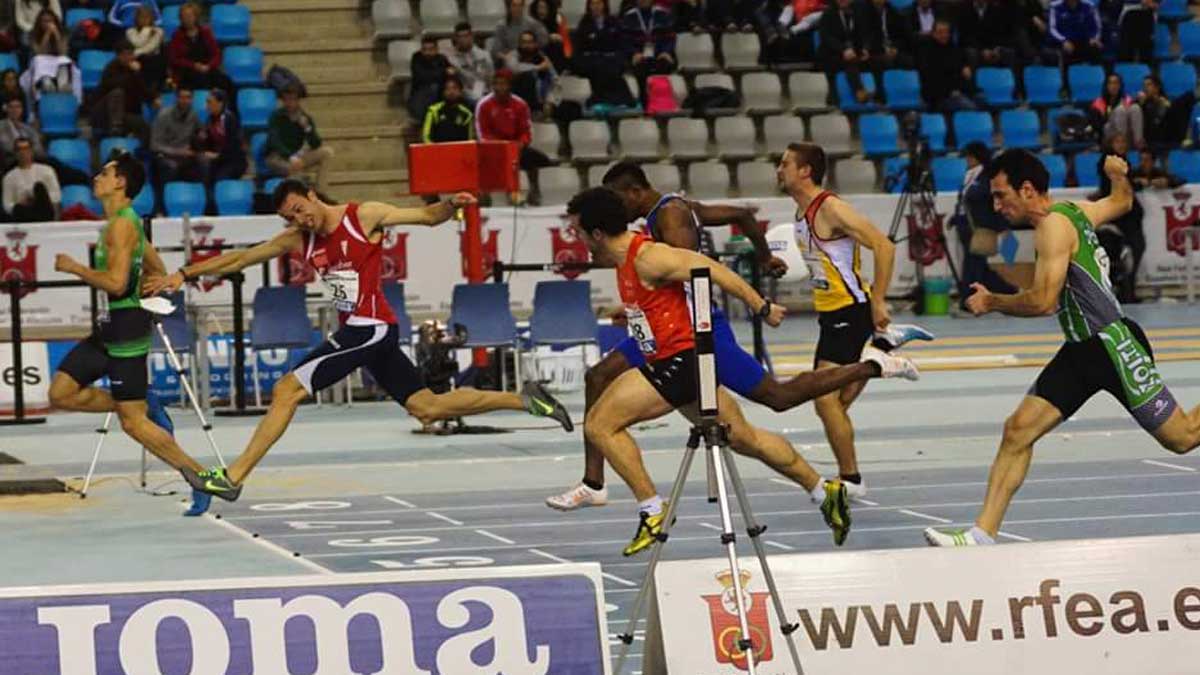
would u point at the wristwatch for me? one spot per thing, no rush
(764, 311)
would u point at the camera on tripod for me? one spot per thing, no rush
(436, 343)
(916, 174)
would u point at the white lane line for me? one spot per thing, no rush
(710, 526)
(497, 537)
(1014, 537)
(606, 575)
(781, 547)
(401, 502)
(448, 519)
(272, 547)
(917, 514)
(868, 502)
(1168, 465)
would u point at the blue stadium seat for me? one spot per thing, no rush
(1087, 169)
(181, 197)
(880, 134)
(1132, 75)
(169, 21)
(393, 291)
(143, 203)
(933, 128)
(126, 143)
(973, 125)
(280, 318)
(271, 183)
(997, 86)
(243, 65)
(483, 309)
(902, 88)
(230, 24)
(58, 114)
(1189, 40)
(847, 102)
(895, 173)
(1185, 164)
(1085, 82)
(1057, 166)
(175, 325)
(1043, 85)
(234, 197)
(948, 173)
(1052, 127)
(1021, 129)
(255, 107)
(74, 152)
(258, 151)
(1173, 10)
(1177, 78)
(8, 61)
(902, 5)
(166, 100)
(91, 64)
(562, 314)
(200, 105)
(82, 195)
(78, 15)
(1162, 42)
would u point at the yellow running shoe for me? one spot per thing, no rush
(836, 509)
(648, 531)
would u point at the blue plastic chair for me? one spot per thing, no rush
(562, 314)
(902, 88)
(199, 105)
(1189, 40)
(1177, 78)
(902, 5)
(393, 292)
(1043, 85)
(1021, 129)
(280, 321)
(1052, 116)
(234, 197)
(8, 61)
(933, 127)
(973, 125)
(74, 152)
(181, 197)
(1056, 165)
(258, 151)
(997, 85)
(895, 174)
(1087, 169)
(91, 64)
(143, 203)
(82, 195)
(1173, 10)
(1132, 75)
(1085, 82)
(59, 114)
(170, 21)
(255, 105)
(880, 135)
(129, 144)
(230, 24)
(78, 15)
(847, 102)
(1162, 42)
(1185, 164)
(948, 173)
(243, 65)
(483, 309)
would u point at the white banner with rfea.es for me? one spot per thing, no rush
(1111, 606)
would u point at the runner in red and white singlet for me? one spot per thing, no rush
(351, 266)
(660, 319)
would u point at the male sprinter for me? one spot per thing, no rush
(343, 243)
(651, 279)
(119, 346)
(850, 313)
(1104, 349)
(673, 220)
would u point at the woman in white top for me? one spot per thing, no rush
(147, 41)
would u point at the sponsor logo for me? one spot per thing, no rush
(1145, 377)
(18, 260)
(1178, 218)
(726, 630)
(567, 247)
(395, 255)
(201, 232)
(1160, 406)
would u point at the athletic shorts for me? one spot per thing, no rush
(89, 361)
(674, 377)
(1118, 360)
(844, 332)
(376, 348)
(737, 370)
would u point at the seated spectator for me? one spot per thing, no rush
(1115, 112)
(978, 225)
(193, 54)
(844, 47)
(921, 17)
(429, 71)
(730, 16)
(1075, 29)
(987, 29)
(533, 74)
(1032, 23)
(1164, 121)
(599, 57)
(503, 116)
(147, 41)
(450, 119)
(46, 74)
(219, 143)
(171, 140)
(48, 38)
(649, 41)
(10, 87)
(1136, 31)
(888, 42)
(118, 100)
(293, 145)
(945, 76)
(31, 191)
(8, 41)
(508, 33)
(559, 48)
(1124, 239)
(27, 16)
(785, 28)
(472, 64)
(1149, 174)
(123, 13)
(13, 128)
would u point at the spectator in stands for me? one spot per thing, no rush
(48, 38)
(31, 191)
(293, 145)
(123, 13)
(147, 41)
(1032, 21)
(219, 143)
(26, 15)
(10, 87)
(117, 106)
(731, 15)
(533, 74)
(450, 119)
(1075, 29)
(987, 29)
(978, 225)
(599, 57)
(558, 49)
(508, 33)
(429, 71)
(1124, 239)
(649, 41)
(844, 47)
(171, 139)
(945, 75)
(193, 54)
(888, 42)
(1150, 174)
(503, 116)
(921, 17)
(13, 127)
(1164, 121)
(1136, 31)
(1115, 112)
(473, 66)
(785, 27)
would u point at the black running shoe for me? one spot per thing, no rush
(539, 402)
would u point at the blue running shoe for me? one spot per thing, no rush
(898, 334)
(157, 413)
(200, 503)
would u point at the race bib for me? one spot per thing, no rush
(343, 284)
(816, 270)
(639, 328)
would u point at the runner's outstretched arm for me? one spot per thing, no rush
(230, 261)
(374, 215)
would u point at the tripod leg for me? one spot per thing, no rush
(729, 539)
(191, 394)
(102, 432)
(755, 531)
(142, 475)
(711, 473)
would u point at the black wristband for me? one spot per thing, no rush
(183, 273)
(764, 311)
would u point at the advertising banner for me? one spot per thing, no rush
(35, 375)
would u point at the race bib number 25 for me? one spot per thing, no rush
(343, 284)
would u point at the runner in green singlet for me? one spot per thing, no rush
(1104, 349)
(119, 345)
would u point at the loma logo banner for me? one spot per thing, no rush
(506, 621)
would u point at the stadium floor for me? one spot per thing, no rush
(351, 489)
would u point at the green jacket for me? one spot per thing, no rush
(445, 123)
(285, 137)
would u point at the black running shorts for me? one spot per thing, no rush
(844, 332)
(89, 361)
(674, 377)
(374, 347)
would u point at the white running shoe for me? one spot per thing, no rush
(897, 334)
(855, 491)
(577, 498)
(891, 365)
(951, 538)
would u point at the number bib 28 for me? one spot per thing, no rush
(639, 328)
(343, 284)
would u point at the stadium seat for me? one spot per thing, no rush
(1173, 10)
(1185, 164)
(181, 197)
(833, 132)
(393, 292)
(485, 13)
(81, 195)
(708, 180)
(1087, 169)
(1178, 78)
(8, 61)
(169, 20)
(78, 15)
(854, 176)
(562, 314)
(972, 125)
(91, 64)
(270, 184)
(1162, 42)
(595, 173)
(1020, 129)
(577, 89)
(391, 18)
(1189, 40)
(243, 65)
(846, 100)
(902, 5)
(483, 309)
(757, 179)
(143, 203)
(808, 91)
(1052, 116)
(687, 138)
(902, 89)
(664, 177)
(546, 138)
(1084, 82)
(230, 24)
(255, 106)
(58, 114)
(234, 197)
(589, 140)
(129, 144)
(280, 321)
(74, 152)
(880, 134)
(1057, 166)
(399, 57)
(762, 93)
(723, 80)
(439, 17)
(740, 51)
(735, 137)
(258, 152)
(933, 128)
(997, 86)
(1043, 85)
(948, 173)
(780, 130)
(639, 138)
(695, 53)
(895, 174)
(1132, 75)
(558, 183)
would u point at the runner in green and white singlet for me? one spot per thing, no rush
(1104, 349)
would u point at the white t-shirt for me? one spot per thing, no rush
(18, 184)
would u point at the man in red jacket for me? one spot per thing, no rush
(504, 116)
